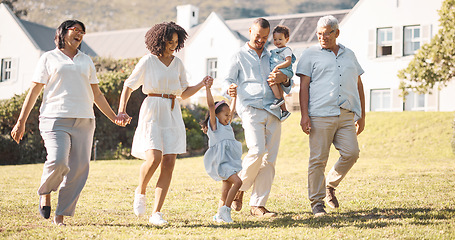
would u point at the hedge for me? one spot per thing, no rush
(114, 142)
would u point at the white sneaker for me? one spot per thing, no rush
(216, 218)
(139, 204)
(224, 214)
(157, 219)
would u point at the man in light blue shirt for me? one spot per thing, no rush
(250, 72)
(332, 103)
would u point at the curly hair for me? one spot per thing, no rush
(158, 35)
(61, 31)
(281, 29)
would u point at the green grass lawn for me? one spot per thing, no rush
(402, 187)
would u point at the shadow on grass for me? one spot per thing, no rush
(363, 219)
(375, 218)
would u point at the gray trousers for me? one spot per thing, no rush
(339, 130)
(68, 144)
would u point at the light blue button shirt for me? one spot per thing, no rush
(333, 82)
(250, 73)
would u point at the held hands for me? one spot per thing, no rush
(122, 119)
(207, 81)
(232, 90)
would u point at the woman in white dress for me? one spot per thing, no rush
(160, 134)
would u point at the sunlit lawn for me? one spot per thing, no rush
(402, 187)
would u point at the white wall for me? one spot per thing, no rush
(368, 15)
(15, 44)
(212, 40)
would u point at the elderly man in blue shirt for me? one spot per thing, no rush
(250, 76)
(332, 105)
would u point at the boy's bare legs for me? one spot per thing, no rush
(276, 91)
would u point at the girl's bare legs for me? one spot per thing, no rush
(164, 180)
(152, 161)
(224, 192)
(229, 189)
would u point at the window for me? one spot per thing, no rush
(411, 39)
(415, 102)
(384, 42)
(380, 100)
(6, 69)
(212, 67)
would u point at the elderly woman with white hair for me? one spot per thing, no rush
(332, 104)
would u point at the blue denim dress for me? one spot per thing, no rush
(224, 156)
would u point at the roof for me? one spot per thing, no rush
(41, 36)
(128, 43)
(44, 37)
(302, 25)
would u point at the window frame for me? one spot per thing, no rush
(382, 107)
(409, 41)
(6, 69)
(387, 42)
(212, 67)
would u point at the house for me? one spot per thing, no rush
(385, 36)
(21, 45)
(211, 44)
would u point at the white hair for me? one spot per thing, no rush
(328, 20)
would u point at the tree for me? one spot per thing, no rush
(10, 4)
(434, 64)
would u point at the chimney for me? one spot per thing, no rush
(187, 16)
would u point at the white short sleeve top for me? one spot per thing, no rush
(155, 77)
(67, 91)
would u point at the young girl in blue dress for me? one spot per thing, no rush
(223, 159)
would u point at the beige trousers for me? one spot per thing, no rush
(339, 130)
(262, 136)
(68, 144)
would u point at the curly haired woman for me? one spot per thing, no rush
(160, 134)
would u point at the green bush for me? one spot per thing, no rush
(114, 142)
(195, 139)
(31, 148)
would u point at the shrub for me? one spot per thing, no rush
(31, 148)
(114, 142)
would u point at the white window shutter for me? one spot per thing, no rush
(14, 69)
(426, 34)
(397, 45)
(372, 43)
